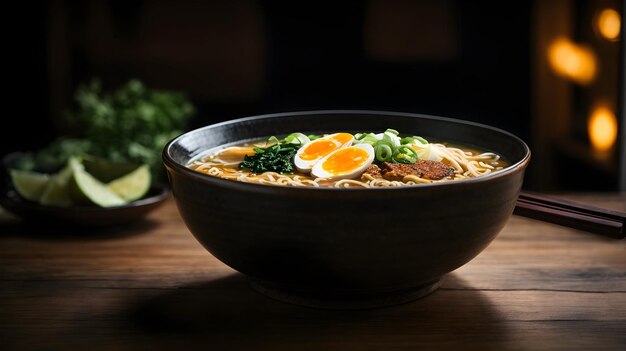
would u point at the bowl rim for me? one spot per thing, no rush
(172, 165)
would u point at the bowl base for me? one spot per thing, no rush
(352, 300)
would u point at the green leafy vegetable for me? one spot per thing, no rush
(276, 158)
(131, 124)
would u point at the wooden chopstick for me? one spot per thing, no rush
(571, 214)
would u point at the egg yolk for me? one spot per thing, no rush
(345, 160)
(318, 149)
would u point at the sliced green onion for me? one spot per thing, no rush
(385, 142)
(407, 140)
(383, 152)
(387, 138)
(409, 151)
(297, 138)
(405, 154)
(392, 131)
(421, 140)
(413, 140)
(403, 158)
(274, 140)
(367, 139)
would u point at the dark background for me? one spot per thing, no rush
(467, 60)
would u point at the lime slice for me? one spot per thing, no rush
(132, 186)
(56, 192)
(85, 188)
(30, 185)
(105, 170)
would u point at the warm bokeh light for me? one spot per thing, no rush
(609, 24)
(602, 128)
(572, 61)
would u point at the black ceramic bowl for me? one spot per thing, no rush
(345, 248)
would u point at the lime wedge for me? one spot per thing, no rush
(85, 188)
(105, 170)
(132, 186)
(30, 185)
(56, 192)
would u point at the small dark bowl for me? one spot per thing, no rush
(345, 248)
(81, 216)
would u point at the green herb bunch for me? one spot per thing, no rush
(131, 124)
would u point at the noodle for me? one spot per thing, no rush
(466, 164)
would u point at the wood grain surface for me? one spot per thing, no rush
(151, 286)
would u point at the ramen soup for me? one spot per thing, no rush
(345, 160)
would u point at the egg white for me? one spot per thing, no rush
(320, 172)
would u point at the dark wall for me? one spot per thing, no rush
(459, 59)
(320, 57)
(26, 122)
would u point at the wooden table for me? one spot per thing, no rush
(151, 286)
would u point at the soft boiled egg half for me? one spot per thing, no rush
(312, 152)
(344, 163)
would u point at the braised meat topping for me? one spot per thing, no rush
(427, 169)
(373, 171)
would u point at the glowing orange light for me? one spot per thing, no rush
(602, 128)
(609, 24)
(572, 61)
